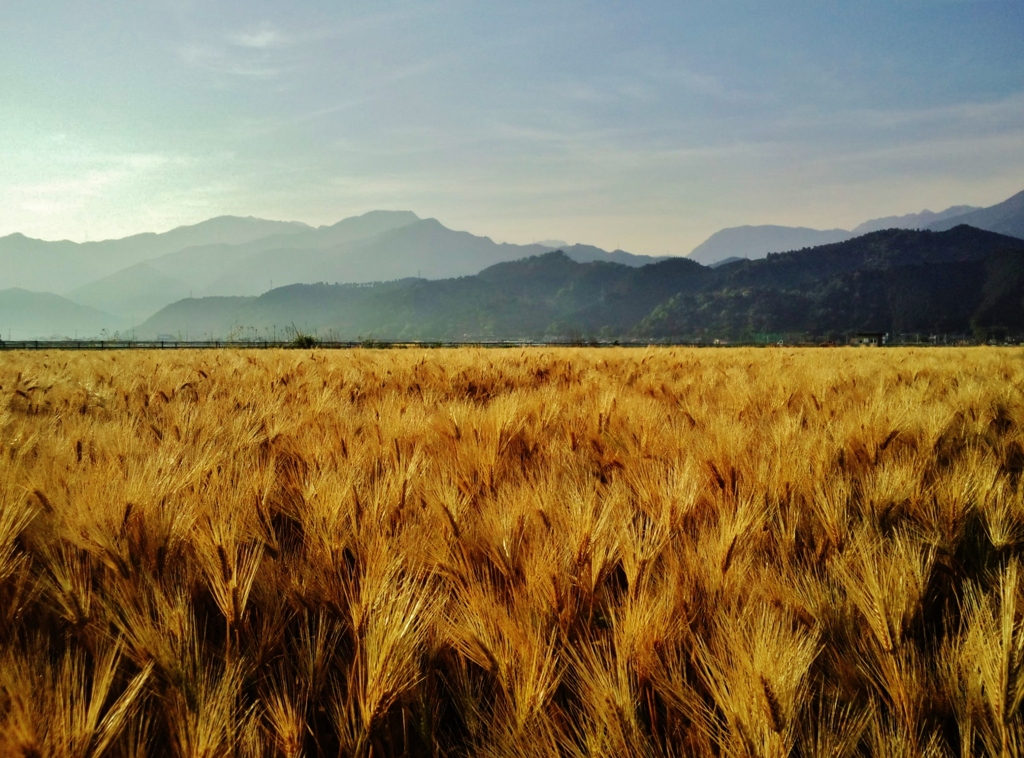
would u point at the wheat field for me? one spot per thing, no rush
(538, 552)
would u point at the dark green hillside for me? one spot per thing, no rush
(889, 249)
(896, 281)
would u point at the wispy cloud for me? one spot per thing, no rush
(262, 37)
(649, 84)
(225, 62)
(257, 52)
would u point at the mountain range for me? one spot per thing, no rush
(754, 242)
(958, 282)
(39, 315)
(119, 284)
(1006, 217)
(132, 278)
(738, 242)
(60, 267)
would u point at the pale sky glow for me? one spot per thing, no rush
(641, 125)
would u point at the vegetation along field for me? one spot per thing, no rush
(539, 552)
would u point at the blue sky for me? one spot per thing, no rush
(642, 125)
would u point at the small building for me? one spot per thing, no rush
(868, 339)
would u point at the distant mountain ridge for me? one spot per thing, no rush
(213, 269)
(960, 281)
(131, 292)
(591, 254)
(757, 241)
(62, 266)
(229, 256)
(26, 315)
(912, 220)
(1006, 217)
(131, 279)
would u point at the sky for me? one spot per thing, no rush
(642, 125)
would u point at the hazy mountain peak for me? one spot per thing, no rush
(1006, 217)
(392, 218)
(757, 241)
(911, 220)
(230, 229)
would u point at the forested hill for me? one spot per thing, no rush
(964, 280)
